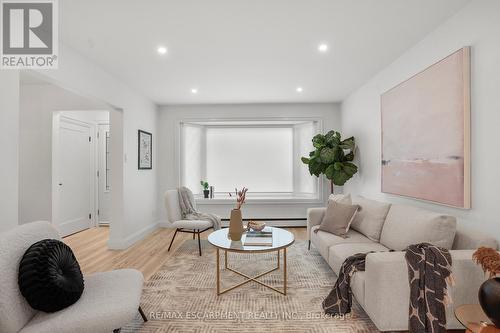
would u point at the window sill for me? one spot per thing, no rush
(262, 200)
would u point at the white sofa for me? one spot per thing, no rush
(383, 289)
(109, 301)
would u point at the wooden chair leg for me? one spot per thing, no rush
(199, 242)
(143, 315)
(194, 234)
(172, 241)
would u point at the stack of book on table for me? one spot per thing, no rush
(258, 238)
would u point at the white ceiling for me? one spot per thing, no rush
(246, 51)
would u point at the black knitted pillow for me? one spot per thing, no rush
(49, 276)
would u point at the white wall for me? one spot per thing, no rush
(169, 117)
(37, 104)
(9, 128)
(137, 214)
(477, 25)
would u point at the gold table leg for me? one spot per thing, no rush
(252, 278)
(278, 259)
(284, 271)
(218, 272)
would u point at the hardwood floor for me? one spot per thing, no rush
(91, 250)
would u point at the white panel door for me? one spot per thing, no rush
(75, 177)
(104, 175)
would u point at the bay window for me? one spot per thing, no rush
(263, 156)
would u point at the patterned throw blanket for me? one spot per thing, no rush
(429, 274)
(339, 301)
(188, 209)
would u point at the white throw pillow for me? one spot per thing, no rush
(344, 199)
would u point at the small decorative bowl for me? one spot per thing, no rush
(256, 225)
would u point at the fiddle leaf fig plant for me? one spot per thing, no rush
(332, 157)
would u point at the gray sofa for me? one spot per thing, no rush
(382, 289)
(109, 301)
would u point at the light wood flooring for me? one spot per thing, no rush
(91, 250)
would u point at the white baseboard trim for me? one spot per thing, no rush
(121, 244)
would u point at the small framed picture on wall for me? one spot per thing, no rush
(145, 153)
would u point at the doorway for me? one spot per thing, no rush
(42, 100)
(81, 170)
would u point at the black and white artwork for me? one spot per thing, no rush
(145, 157)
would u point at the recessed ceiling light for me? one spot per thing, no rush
(162, 50)
(194, 91)
(299, 89)
(323, 47)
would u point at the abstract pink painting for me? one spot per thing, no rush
(426, 134)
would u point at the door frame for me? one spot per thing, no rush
(57, 117)
(98, 158)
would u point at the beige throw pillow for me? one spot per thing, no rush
(407, 225)
(370, 218)
(338, 218)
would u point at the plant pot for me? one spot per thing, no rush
(489, 298)
(235, 225)
(206, 193)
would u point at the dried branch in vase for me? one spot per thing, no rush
(240, 196)
(489, 259)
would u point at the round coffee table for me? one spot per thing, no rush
(281, 240)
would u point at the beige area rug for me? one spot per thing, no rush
(181, 296)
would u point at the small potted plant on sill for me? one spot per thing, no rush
(236, 221)
(489, 292)
(205, 186)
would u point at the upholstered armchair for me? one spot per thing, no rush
(174, 215)
(109, 300)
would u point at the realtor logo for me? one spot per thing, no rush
(29, 36)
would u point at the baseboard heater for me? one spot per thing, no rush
(276, 221)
